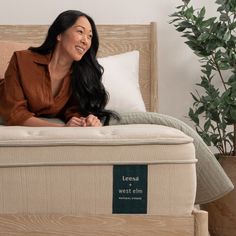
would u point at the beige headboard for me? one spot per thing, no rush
(114, 39)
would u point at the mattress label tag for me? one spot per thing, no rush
(129, 189)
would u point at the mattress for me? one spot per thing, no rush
(111, 169)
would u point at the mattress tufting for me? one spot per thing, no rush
(108, 135)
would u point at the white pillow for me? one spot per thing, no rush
(121, 80)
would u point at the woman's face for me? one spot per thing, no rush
(76, 40)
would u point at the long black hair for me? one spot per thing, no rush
(86, 82)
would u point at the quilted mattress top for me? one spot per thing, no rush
(134, 134)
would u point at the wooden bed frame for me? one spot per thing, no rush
(114, 39)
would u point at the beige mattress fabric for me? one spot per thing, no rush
(44, 171)
(108, 135)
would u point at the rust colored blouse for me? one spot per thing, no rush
(26, 90)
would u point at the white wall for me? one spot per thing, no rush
(178, 68)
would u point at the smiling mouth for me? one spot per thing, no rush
(80, 50)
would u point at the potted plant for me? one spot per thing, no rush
(213, 40)
(213, 111)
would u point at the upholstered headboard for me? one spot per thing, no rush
(114, 39)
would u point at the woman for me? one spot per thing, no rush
(61, 78)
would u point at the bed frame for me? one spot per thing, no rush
(114, 39)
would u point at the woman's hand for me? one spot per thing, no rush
(93, 121)
(75, 121)
(90, 120)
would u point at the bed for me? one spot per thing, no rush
(57, 181)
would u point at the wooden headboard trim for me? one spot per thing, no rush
(154, 81)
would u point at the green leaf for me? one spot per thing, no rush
(193, 45)
(194, 97)
(186, 1)
(211, 46)
(193, 116)
(215, 139)
(202, 12)
(224, 17)
(227, 6)
(233, 114)
(189, 13)
(215, 116)
(207, 125)
(227, 36)
(203, 36)
(224, 66)
(220, 1)
(208, 22)
(176, 14)
(180, 29)
(232, 26)
(206, 138)
(189, 36)
(221, 8)
(222, 125)
(185, 24)
(200, 110)
(172, 21)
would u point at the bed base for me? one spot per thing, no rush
(103, 225)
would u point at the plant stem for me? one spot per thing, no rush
(221, 138)
(218, 69)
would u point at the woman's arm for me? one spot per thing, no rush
(13, 105)
(38, 122)
(73, 122)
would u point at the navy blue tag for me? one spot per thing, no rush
(130, 189)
